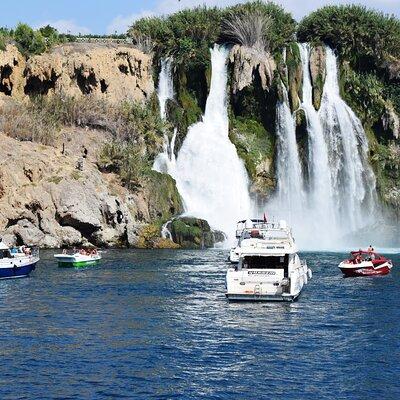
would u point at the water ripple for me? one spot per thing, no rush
(156, 325)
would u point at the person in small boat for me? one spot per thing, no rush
(370, 249)
(372, 254)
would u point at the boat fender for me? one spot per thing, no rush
(309, 273)
(15, 267)
(285, 282)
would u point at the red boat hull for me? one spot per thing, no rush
(365, 271)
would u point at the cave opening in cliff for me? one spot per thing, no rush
(5, 83)
(103, 86)
(123, 69)
(87, 83)
(36, 86)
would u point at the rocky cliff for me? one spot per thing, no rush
(115, 73)
(51, 198)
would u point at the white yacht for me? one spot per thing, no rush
(234, 253)
(269, 268)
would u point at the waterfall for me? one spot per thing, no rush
(288, 170)
(165, 161)
(210, 176)
(320, 202)
(352, 179)
(338, 195)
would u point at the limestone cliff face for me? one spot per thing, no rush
(115, 73)
(46, 200)
(318, 73)
(12, 66)
(246, 63)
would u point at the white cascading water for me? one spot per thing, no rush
(290, 193)
(210, 176)
(165, 161)
(352, 179)
(340, 194)
(288, 202)
(320, 201)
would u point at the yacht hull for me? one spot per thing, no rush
(261, 298)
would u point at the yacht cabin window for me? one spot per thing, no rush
(270, 262)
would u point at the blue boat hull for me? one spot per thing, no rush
(17, 272)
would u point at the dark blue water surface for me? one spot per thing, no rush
(156, 325)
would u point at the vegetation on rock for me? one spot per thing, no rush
(255, 147)
(363, 36)
(191, 232)
(275, 26)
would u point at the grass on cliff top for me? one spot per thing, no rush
(363, 36)
(42, 119)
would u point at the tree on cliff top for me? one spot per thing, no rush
(186, 35)
(365, 37)
(29, 41)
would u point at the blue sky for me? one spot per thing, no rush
(105, 16)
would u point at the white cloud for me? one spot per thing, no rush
(298, 8)
(120, 23)
(66, 26)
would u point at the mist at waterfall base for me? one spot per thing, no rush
(210, 176)
(329, 198)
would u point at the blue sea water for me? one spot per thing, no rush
(156, 325)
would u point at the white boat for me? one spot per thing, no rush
(78, 259)
(18, 262)
(269, 267)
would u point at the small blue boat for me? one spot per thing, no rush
(17, 263)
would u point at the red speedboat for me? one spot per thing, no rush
(365, 263)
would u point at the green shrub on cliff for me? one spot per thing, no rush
(28, 40)
(365, 92)
(125, 159)
(5, 37)
(186, 35)
(363, 36)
